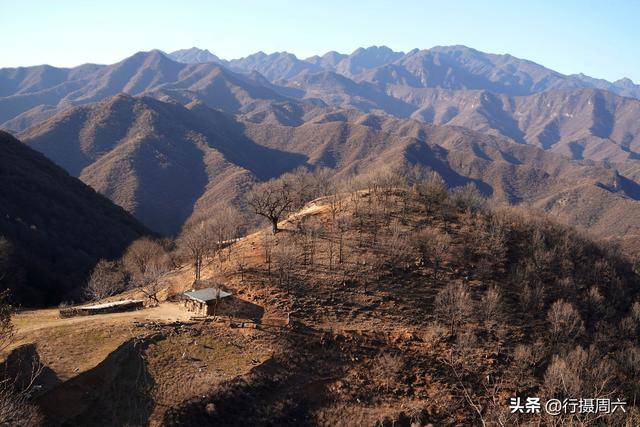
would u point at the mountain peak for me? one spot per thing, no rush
(375, 49)
(366, 58)
(328, 60)
(625, 82)
(194, 55)
(151, 56)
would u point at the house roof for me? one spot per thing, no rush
(208, 294)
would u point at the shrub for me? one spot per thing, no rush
(565, 323)
(453, 305)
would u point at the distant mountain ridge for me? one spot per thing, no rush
(442, 85)
(141, 73)
(446, 67)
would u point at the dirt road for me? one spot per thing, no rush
(30, 321)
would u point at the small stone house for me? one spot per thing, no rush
(205, 302)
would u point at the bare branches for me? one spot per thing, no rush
(286, 259)
(147, 262)
(433, 192)
(564, 321)
(271, 200)
(204, 238)
(16, 379)
(453, 304)
(386, 370)
(150, 281)
(108, 278)
(140, 253)
(466, 393)
(15, 409)
(276, 198)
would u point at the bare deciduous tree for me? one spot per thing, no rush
(107, 278)
(309, 231)
(581, 372)
(308, 185)
(491, 304)
(268, 241)
(150, 281)
(433, 192)
(241, 264)
(629, 360)
(343, 224)
(453, 304)
(271, 200)
(565, 323)
(195, 241)
(204, 238)
(147, 262)
(433, 247)
(285, 259)
(15, 407)
(17, 382)
(398, 246)
(139, 254)
(468, 197)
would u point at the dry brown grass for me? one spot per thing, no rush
(74, 345)
(202, 362)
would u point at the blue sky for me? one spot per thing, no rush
(600, 39)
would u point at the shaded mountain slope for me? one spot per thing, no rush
(23, 80)
(157, 159)
(449, 67)
(580, 124)
(445, 67)
(460, 67)
(496, 94)
(217, 87)
(56, 226)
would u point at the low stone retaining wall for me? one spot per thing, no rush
(108, 307)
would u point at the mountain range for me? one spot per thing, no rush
(164, 162)
(169, 135)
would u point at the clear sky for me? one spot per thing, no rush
(599, 38)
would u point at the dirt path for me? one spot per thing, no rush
(73, 345)
(30, 321)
